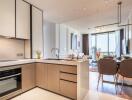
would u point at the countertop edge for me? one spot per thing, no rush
(27, 61)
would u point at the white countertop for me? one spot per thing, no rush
(16, 62)
(25, 61)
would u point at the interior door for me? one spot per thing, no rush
(85, 44)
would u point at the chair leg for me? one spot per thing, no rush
(115, 82)
(117, 76)
(122, 85)
(102, 80)
(98, 80)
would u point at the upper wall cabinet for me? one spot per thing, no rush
(7, 18)
(22, 20)
(37, 31)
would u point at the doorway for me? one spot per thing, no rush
(85, 44)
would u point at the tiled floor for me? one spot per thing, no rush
(39, 94)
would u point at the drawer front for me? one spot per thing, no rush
(69, 77)
(68, 89)
(68, 69)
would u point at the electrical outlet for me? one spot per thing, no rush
(19, 54)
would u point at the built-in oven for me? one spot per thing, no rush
(10, 79)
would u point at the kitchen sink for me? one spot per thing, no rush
(52, 59)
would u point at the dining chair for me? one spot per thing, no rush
(125, 70)
(107, 67)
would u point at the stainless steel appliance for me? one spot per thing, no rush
(10, 79)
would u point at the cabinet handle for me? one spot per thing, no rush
(68, 81)
(2, 78)
(67, 73)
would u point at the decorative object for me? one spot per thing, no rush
(98, 55)
(73, 41)
(38, 53)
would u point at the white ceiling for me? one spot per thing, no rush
(82, 14)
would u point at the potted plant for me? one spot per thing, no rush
(38, 53)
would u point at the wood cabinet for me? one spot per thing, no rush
(41, 75)
(47, 76)
(69, 77)
(7, 18)
(68, 89)
(28, 76)
(37, 31)
(22, 20)
(61, 79)
(68, 69)
(53, 78)
(68, 81)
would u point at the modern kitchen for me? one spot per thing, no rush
(46, 52)
(22, 64)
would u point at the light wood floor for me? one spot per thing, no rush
(108, 87)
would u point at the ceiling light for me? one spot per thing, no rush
(84, 9)
(119, 18)
(107, 1)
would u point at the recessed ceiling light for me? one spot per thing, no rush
(84, 9)
(107, 1)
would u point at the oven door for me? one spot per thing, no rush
(10, 84)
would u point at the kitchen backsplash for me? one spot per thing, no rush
(11, 48)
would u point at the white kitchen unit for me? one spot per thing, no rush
(37, 31)
(22, 20)
(7, 18)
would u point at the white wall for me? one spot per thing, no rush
(79, 39)
(57, 43)
(58, 36)
(63, 39)
(49, 38)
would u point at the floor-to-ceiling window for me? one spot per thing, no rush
(105, 43)
(102, 43)
(112, 43)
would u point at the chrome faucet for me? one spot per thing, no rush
(57, 52)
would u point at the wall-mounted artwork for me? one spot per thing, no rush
(73, 41)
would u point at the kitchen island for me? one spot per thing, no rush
(64, 77)
(73, 72)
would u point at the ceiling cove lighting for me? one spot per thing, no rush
(119, 19)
